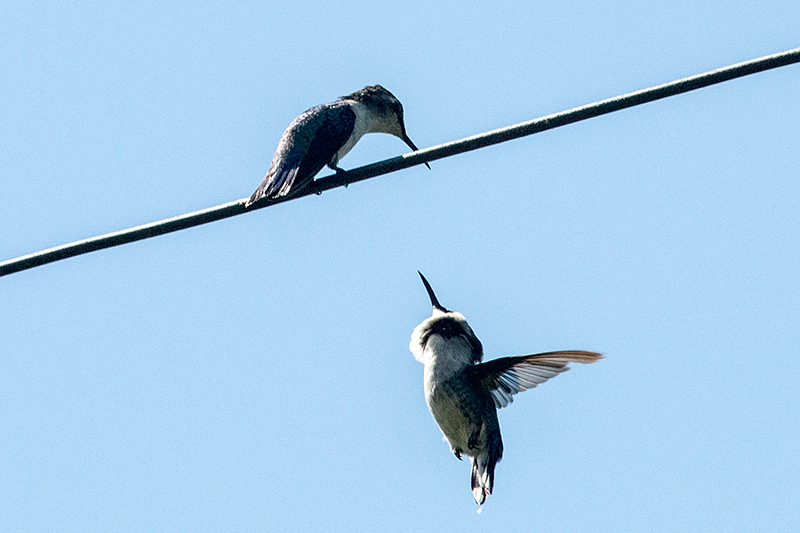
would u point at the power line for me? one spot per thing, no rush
(407, 160)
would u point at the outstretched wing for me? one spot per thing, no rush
(307, 145)
(506, 376)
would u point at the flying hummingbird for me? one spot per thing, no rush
(464, 394)
(324, 134)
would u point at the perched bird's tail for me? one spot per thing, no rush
(264, 190)
(276, 184)
(483, 467)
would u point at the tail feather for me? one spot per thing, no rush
(255, 197)
(267, 189)
(276, 184)
(483, 468)
(259, 193)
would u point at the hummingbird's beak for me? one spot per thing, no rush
(434, 302)
(410, 144)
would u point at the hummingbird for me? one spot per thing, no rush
(324, 134)
(463, 394)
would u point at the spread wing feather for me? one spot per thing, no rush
(507, 376)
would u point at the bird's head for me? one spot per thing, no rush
(446, 324)
(387, 109)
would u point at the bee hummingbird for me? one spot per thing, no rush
(464, 394)
(324, 134)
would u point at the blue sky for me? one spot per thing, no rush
(254, 374)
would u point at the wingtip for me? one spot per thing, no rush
(589, 357)
(572, 356)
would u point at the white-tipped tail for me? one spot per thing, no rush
(483, 468)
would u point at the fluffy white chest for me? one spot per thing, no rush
(361, 126)
(444, 359)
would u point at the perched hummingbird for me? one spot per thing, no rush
(464, 394)
(324, 134)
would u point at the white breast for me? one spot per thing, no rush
(445, 358)
(361, 126)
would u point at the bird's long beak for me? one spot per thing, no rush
(410, 144)
(434, 302)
